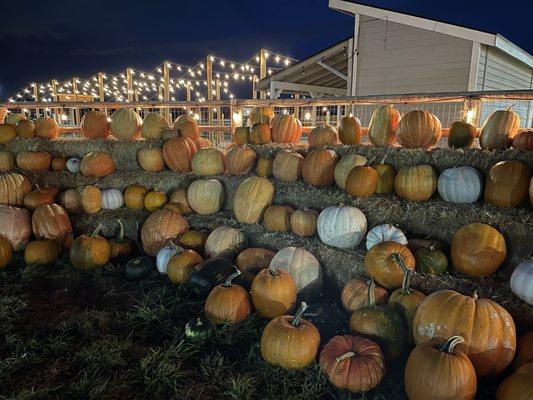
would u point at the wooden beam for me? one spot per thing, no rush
(332, 70)
(101, 94)
(474, 64)
(298, 87)
(355, 54)
(262, 71)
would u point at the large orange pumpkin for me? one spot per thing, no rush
(382, 262)
(98, 164)
(260, 133)
(95, 125)
(507, 184)
(126, 124)
(499, 129)
(350, 131)
(182, 265)
(518, 386)
(362, 181)
(209, 161)
(159, 227)
(286, 129)
(273, 292)
(323, 135)
(416, 183)
(90, 251)
(13, 188)
(188, 129)
(287, 166)
(319, 167)
(303, 222)
(41, 252)
(15, 226)
(383, 126)
(419, 129)
(46, 128)
(34, 160)
(240, 160)
(50, 221)
(178, 154)
(228, 303)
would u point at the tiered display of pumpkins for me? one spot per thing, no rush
(387, 317)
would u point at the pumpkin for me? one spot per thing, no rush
(95, 125)
(74, 165)
(286, 129)
(461, 185)
(178, 154)
(345, 165)
(41, 252)
(212, 272)
(416, 183)
(153, 125)
(342, 227)
(290, 342)
(91, 199)
(431, 261)
(507, 184)
(461, 134)
(436, 370)
(126, 124)
(209, 161)
(382, 263)
(46, 128)
(90, 251)
(189, 129)
(112, 199)
(7, 161)
(355, 292)
(240, 160)
(488, 329)
(383, 126)
(323, 135)
(6, 252)
(14, 118)
(134, 196)
(199, 329)
(71, 201)
(179, 198)
(121, 246)
(50, 221)
(151, 159)
(154, 200)
(524, 350)
(138, 268)
(278, 218)
(419, 129)
(303, 222)
(159, 228)
(522, 141)
(318, 167)
(40, 196)
(303, 267)
(518, 386)
(98, 164)
(264, 166)
(499, 129)
(59, 163)
(182, 265)
(205, 196)
(381, 323)
(164, 255)
(13, 188)
(477, 250)
(384, 233)
(352, 363)
(362, 181)
(241, 135)
(260, 133)
(386, 178)
(522, 281)
(273, 293)
(287, 166)
(25, 128)
(252, 198)
(228, 303)
(261, 114)
(194, 240)
(254, 259)
(350, 131)
(328, 319)
(15, 226)
(34, 160)
(7, 133)
(223, 239)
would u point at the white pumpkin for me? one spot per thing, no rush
(522, 281)
(345, 165)
(384, 233)
(126, 124)
(73, 165)
(224, 238)
(460, 185)
(205, 196)
(164, 255)
(303, 267)
(112, 199)
(343, 227)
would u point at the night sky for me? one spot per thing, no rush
(41, 40)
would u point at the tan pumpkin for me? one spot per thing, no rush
(355, 292)
(260, 133)
(179, 197)
(7, 133)
(34, 160)
(383, 126)
(362, 181)
(240, 160)
(42, 252)
(90, 251)
(134, 196)
(209, 161)
(522, 141)
(97, 164)
(319, 167)
(13, 188)
(416, 183)
(419, 129)
(386, 178)
(15, 226)
(228, 303)
(499, 129)
(50, 221)
(350, 130)
(252, 198)
(254, 259)
(286, 128)
(273, 292)
(6, 252)
(39, 197)
(182, 119)
(382, 263)
(70, 200)
(345, 165)
(59, 163)
(7, 161)
(178, 154)
(91, 199)
(159, 228)
(323, 135)
(46, 128)
(264, 166)
(241, 135)
(206, 196)
(278, 218)
(151, 159)
(303, 222)
(182, 265)
(153, 125)
(154, 200)
(507, 184)
(224, 239)
(95, 125)
(287, 166)
(126, 124)
(25, 128)
(518, 386)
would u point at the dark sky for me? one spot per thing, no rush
(41, 40)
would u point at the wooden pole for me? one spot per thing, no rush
(129, 83)
(217, 96)
(57, 111)
(75, 92)
(254, 88)
(166, 87)
(36, 97)
(101, 96)
(209, 80)
(262, 70)
(188, 91)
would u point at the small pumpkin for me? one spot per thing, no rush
(7, 161)
(419, 129)
(252, 198)
(287, 166)
(40, 196)
(25, 128)
(151, 159)
(179, 197)
(154, 200)
(228, 303)
(159, 228)
(91, 199)
(386, 178)
(518, 386)
(209, 161)
(355, 292)
(15, 226)
(153, 126)
(13, 188)
(59, 163)
(383, 126)
(240, 160)
(241, 135)
(138, 268)
(522, 281)
(264, 166)
(507, 184)
(95, 125)
(73, 165)
(382, 263)
(206, 196)
(182, 265)
(431, 261)
(461, 185)
(345, 165)
(41, 252)
(6, 252)
(322, 135)
(254, 259)
(384, 233)
(278, 218)
(34, 160)
(46, 128)
(194, 240)
(134, 196)
(260, 133)
(7, 133)
(178, 154)
(318, 167)
(199, 329)
(50, 221)
(273, 292)
(286, 128)
(362, 181)
(416, 183)
(461, 135)
(126, 124)
(499, 129)
(70, 200)
(98, 164)
(303, 222)
(343, 227)
(90, 251)
(523, 140)
(350, 131)
(121, 246)
(112, 199)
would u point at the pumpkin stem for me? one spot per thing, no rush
(450, 344)
(406, 273)
(475, 295)
(510, 107)
(177, 249)
(383, 160)
(230, 278)
(371, 298)
(273, 271)
(345, 356)
(120, 236)
(97, 231)
(199, 321)
(299, 314)
(369, 161)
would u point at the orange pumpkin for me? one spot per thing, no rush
(209, 161)
(50, 221)
(362, 181)
(151, 159)
(383, 126)
(228, 303)
(34, 160)
(13, 188)
(90, 251)
(70, 200)
(416, 183)
(254, 259)
(194, 240)
(499, 129)
(189, 129)
(7, 161)
(40, 196)
(154, 200)
(6, 252)
(303, 222)
(350, 131)
(518, 386)
(419, 129)
(382, 263)
(278, 218)
(507, 184)
(240, 160)
(159, 228)
(182, 265)
(241, 135)
(7, 133)
(273, 292)
(59, 163)
(286, 129)
(319, 167)
(15, 226)
(95, 125)
(260, 133)
(178, 154)
(524, 140)
(120, 246)
(134, 196)
(46, 128)
(524, 350)
(41, 252)
(91, 199)
(25, 128)
(323, 135)
(98, 164)
(355, 292)
(386, 178)
(287, 166)
(264, 166)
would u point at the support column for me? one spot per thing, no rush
(354, 51)
(209, 80)
(76, 110)
(101, 95)
(188, 91)
(262, 71)
(166, 87)
(129, 84)
(36, 97)
(254, 87)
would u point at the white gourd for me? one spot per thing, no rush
(345, 165)
(164, 255)
(223, 238)
(205, 196)
(342, 227)
(384, 233)
(112, 199)
(73, 165)
(460, 185)
(522, 281)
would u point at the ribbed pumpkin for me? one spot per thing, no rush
(273, 292)
(205, 196)
(384, 233)
(355, 293)
(91, 199)
(15, 226)
(41, 252)
(286, 128)
(522, 141)
(25, 128)
(261, 114)
(240, 160)
(461, 134)
(70, 200)
(34, 160)
(6, 252)
(350, 131)
(254, 259)
(228, 303)
(7, 133)
(278, 218)
(40, 196)
(209, 161)
(121, 246)
(182, 265)
(59, 163)
(112, 199)
(182, 120)
(95, 125)
(13, 188)
(518, 386)
(178, 154)
(241, 135)
(303, 222)
(419, 129)
(50, 221)
(416, 183)
(126, 124)
(507, 184)
(46, 128)
(90, 251)
(252, 198)
(499, 129)
(386, 178)
(264, 166)
(13, 118)
(151, 159)
(383, 126)
(319, 167)
(343, 227)
(260, 133)
(154, 200)
(323, 135)
(159, 228)
(224, 238)
(435, 370)
(153, 125)
(187, 128)
(352, 363)
(382, 263)
(345, 165)
(488, 329)
(7, 161)
(179, 197)
(522, 283)
(362, 181)
(460, 185)
(194, 240)
(287, 166)
(98, 164)
(134, 196)
(431, 261)
(478, 250)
